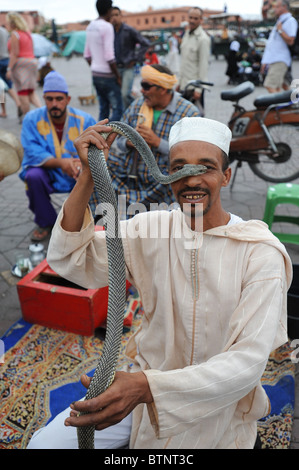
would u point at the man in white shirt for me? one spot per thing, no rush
(214, 297)
(195, 51)
(277, 59)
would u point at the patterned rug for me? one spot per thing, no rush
(40, 374)
(42, 367)
(275, 430)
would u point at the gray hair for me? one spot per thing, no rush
(286, 3)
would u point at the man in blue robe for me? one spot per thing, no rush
(50, 163)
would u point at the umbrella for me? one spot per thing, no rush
(76, 42)
(42, 46)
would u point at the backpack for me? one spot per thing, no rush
(294, 49)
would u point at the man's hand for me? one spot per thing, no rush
(197, 95)
(92, 135)
(71, 167)
(279, 26)
(149, 136)
(126, 392)
(75, 205)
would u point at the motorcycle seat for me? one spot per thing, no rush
(238, 92)
(272, 98)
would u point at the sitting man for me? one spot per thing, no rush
(50, 163)
(214, 295)
(152, 115)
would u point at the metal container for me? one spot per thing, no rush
(37, 253)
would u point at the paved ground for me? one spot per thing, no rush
(247, 198)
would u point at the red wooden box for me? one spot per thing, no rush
(50, 300)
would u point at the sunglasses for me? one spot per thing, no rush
(147, 86)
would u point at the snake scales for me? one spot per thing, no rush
(105, 370)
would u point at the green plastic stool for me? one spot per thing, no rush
(284, 193)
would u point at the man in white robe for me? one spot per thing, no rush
(213, 289)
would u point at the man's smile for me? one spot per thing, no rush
(195, 195)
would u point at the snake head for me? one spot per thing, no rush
(188, 170)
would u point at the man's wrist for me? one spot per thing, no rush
(147, 395)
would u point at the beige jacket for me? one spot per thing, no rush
(195, 54)
(214, 309)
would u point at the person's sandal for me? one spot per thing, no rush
(40, 233)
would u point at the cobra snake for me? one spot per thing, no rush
(105, 370)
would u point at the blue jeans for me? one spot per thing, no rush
(109, 95)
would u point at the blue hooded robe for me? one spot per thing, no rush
(40, 142)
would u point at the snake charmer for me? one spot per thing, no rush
(214, 298)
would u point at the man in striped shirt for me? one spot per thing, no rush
(152, 115)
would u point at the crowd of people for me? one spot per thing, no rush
(112, 49)
(212, 313)
(273, 67)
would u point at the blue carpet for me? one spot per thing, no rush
(41, 372)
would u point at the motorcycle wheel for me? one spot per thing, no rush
(285, 167)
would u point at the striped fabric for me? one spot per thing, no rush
(24, 74)
(144, 189)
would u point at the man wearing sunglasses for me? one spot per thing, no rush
(152, 115)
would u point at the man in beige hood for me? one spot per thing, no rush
(213, 289)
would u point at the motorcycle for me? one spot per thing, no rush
(267, 136)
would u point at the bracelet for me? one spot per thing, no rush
(280, 32)
(8, 69)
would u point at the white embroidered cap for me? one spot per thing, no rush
(198, 128)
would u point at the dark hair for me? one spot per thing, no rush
(225, 161)
(116, 8)
(103, 6)
(162, 69)
(196, 8)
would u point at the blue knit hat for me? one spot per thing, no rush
(55, 82)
